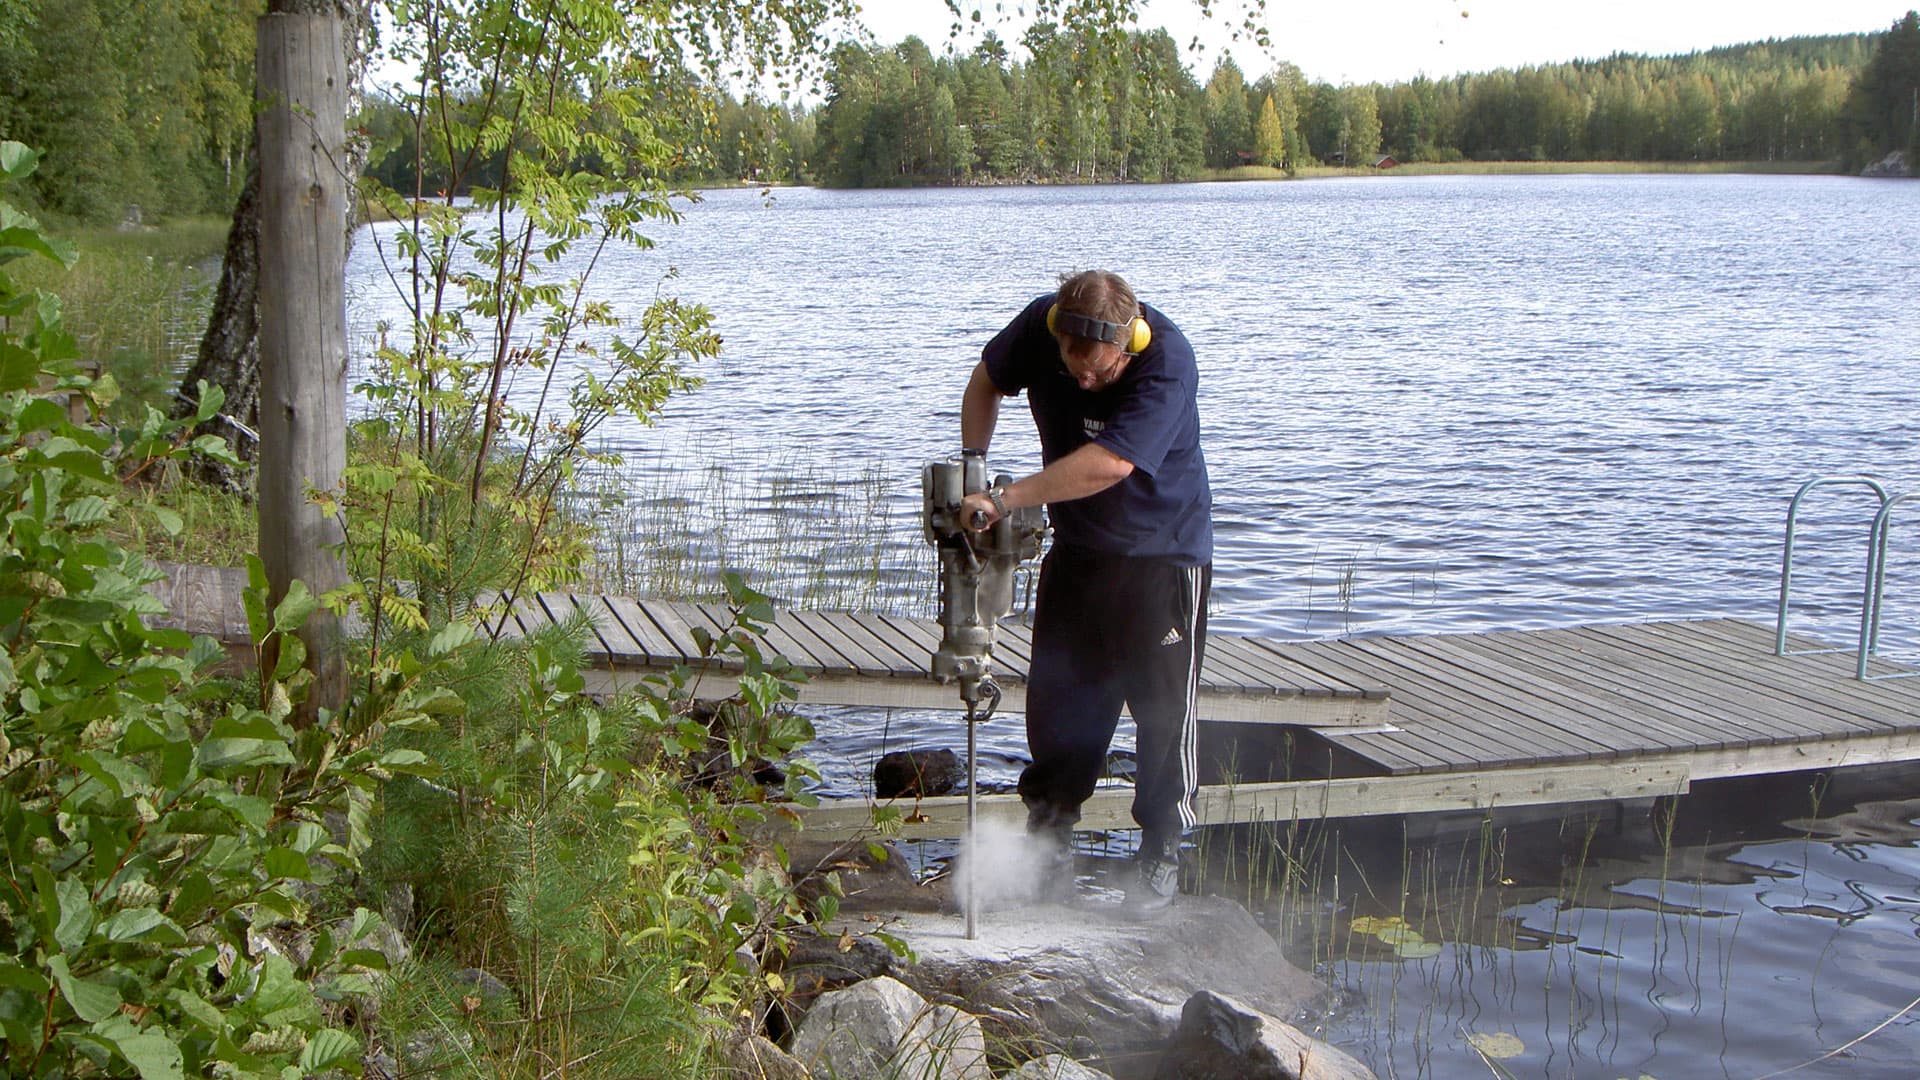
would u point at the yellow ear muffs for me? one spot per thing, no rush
(1132, 336)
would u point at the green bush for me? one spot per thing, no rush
(163, 841)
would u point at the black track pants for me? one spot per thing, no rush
(1111, 631)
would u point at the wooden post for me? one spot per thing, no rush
(303, 337)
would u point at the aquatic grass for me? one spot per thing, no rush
(136, 300)
(805, 535)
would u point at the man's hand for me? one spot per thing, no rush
(977, 511)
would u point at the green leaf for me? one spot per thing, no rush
(199, 1010)
(329, 1048)
(88, 510)
(293, 609)
(282, 997)
(254, 598)
(143, 924)
(76, 915)
(412, 762)
(22, 978)
(17, 160)
(90, 1001)
(249, 810)
(293, 654)
(21, 240)
(283, 863)
(18, 368)
(220, 754)
(450, 637)
(169, 520)
(41, 414)
(372, 959)
(154, 1055)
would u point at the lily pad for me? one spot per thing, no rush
(1498, 1044)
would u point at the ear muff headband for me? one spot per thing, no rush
(1132, 336)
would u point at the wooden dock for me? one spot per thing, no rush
(1377, 725)
(849, 659)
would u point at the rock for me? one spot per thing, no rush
(483, 985)
(867, 883)
(851, 1034)
(755, 1058)
(1091, 980)
(943, 1044)
(1055, 1067)
(1894, 164)
(817, 964)
(881, 1030)
(912, 774)
(1221, 1039)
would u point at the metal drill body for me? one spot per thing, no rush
(976, 575)
(977, 568)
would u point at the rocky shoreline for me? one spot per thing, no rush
(1070, 991)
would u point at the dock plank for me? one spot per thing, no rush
(1281, 671)
(1585, 708)
(1485, 713)
(1720, 704)
(660, 649)
(880, 644)
(1807, 686)
(1454, 734)
(853, 653)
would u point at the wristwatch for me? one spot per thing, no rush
(999, 496)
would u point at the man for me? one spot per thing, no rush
(1121, 612)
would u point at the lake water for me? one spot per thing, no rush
(1429, 404)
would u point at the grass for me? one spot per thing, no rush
(137, 300)
(801, 533)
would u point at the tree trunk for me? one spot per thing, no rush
(229, 354)
(303, 182)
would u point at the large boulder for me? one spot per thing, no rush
(1092, 980)
(882, 1030)
(1221, 1039)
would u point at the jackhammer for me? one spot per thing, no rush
(977, 567)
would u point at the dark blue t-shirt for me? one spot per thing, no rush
(1149, 416)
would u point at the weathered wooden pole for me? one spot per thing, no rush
(302, 90)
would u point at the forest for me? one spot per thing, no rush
(147, 105)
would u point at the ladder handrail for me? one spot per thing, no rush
(1876, 585)
(1786, 556)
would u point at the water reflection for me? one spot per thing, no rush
(1690, 939)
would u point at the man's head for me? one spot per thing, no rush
(1103, 296)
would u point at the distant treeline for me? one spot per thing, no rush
(144, 104)
(900, 115)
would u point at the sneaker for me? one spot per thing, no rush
(1156, 879)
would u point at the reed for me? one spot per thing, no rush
(805, 535)
(136, 301)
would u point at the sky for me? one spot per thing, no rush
(1358, 41)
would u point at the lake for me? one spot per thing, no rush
(1430, 404)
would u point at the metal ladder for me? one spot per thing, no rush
(1873, 587)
